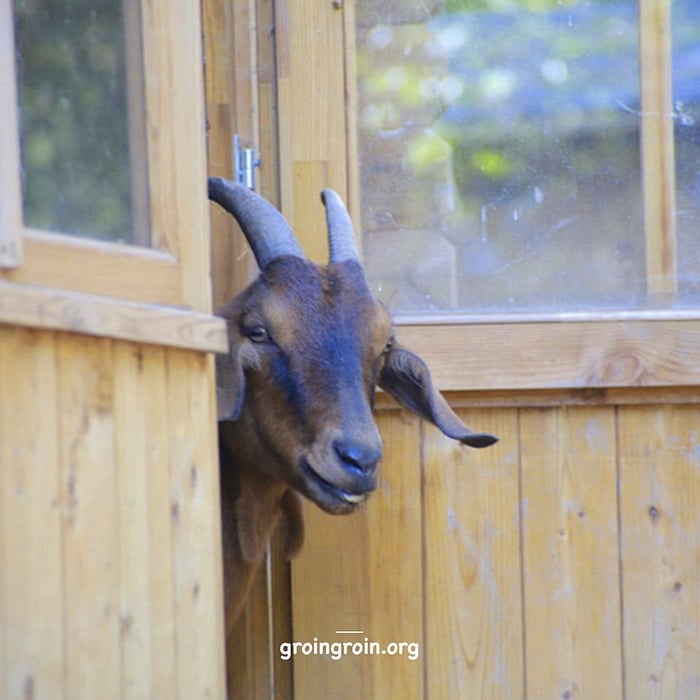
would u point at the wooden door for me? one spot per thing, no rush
(110, 557)
(562, 562)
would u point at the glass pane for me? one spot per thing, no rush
(500, 154)
(686, 96)
(79, 72)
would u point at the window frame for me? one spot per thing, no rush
(174, 271)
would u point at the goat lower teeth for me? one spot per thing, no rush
(353, 497)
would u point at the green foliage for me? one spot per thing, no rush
(74, 116)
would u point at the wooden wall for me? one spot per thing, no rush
(109, 538)
(562, 563)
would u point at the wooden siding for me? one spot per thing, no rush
(562, 563)
(110, 583)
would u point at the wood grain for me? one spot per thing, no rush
(32, 649)
(41, 307)
(542, 355)
(659, 504)
(570, 553)
(90, 526)
(196, 531)
(472, 563)
(147, 630)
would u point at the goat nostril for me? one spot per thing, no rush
(360, 456)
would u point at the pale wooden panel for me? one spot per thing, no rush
(31, 582)
(90, 523)
(472, 563)
(248, 647)
(542, 355)
(362, 573)
(174, 84)
(97, 267)
(312, 124)
(10, 194)
(196, 531)
(229, 111)
(41, 307)
(660, 502)
(659, 174)
(570, 553)
(146, 600)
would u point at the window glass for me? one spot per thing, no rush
(83, 168)
(686, 94)
(500, 154)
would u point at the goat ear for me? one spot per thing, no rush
(230, 384)
(407, 378)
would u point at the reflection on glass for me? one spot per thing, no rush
(500, 154)
(686, 104)
(75, 119)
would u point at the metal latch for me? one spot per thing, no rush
(245, 160)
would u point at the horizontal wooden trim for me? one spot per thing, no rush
(41, 307)
(574, 355)
(560, 397)
(690, 314)
(98, 267)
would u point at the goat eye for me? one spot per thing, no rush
(258, 334)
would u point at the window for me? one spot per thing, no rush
(103, 168)
(521, 156)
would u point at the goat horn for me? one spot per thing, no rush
(341, 236)
(267, 231)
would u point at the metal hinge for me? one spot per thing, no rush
(245, 160)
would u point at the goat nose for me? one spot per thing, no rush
(361, 456)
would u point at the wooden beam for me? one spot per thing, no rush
(40, 307)
(658, 150)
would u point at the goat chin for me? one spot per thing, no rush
(331, 498)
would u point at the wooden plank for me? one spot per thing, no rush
(550, 355)
(10, 193)
(228, 83)
(41, 307)
(143, 483)
(31, 582)
(472, 563)
(312, 123)
(97, 267)
(658, 160)
(248, 647)
(196, 531)
(353, 575)
(570, 553)
(90, 517)
(659, 505)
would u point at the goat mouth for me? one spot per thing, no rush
(348, 500)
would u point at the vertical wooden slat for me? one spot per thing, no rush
(31, 578)
(143, 484)
(570, 553)
(312, 124)
(660, 502)
(90, 526)
(10, 191)
(175, 124)
(229, 94)
(196, 532)
(472, 563)
(362, 573)
(659, 184)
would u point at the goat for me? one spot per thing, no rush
(308, 344)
